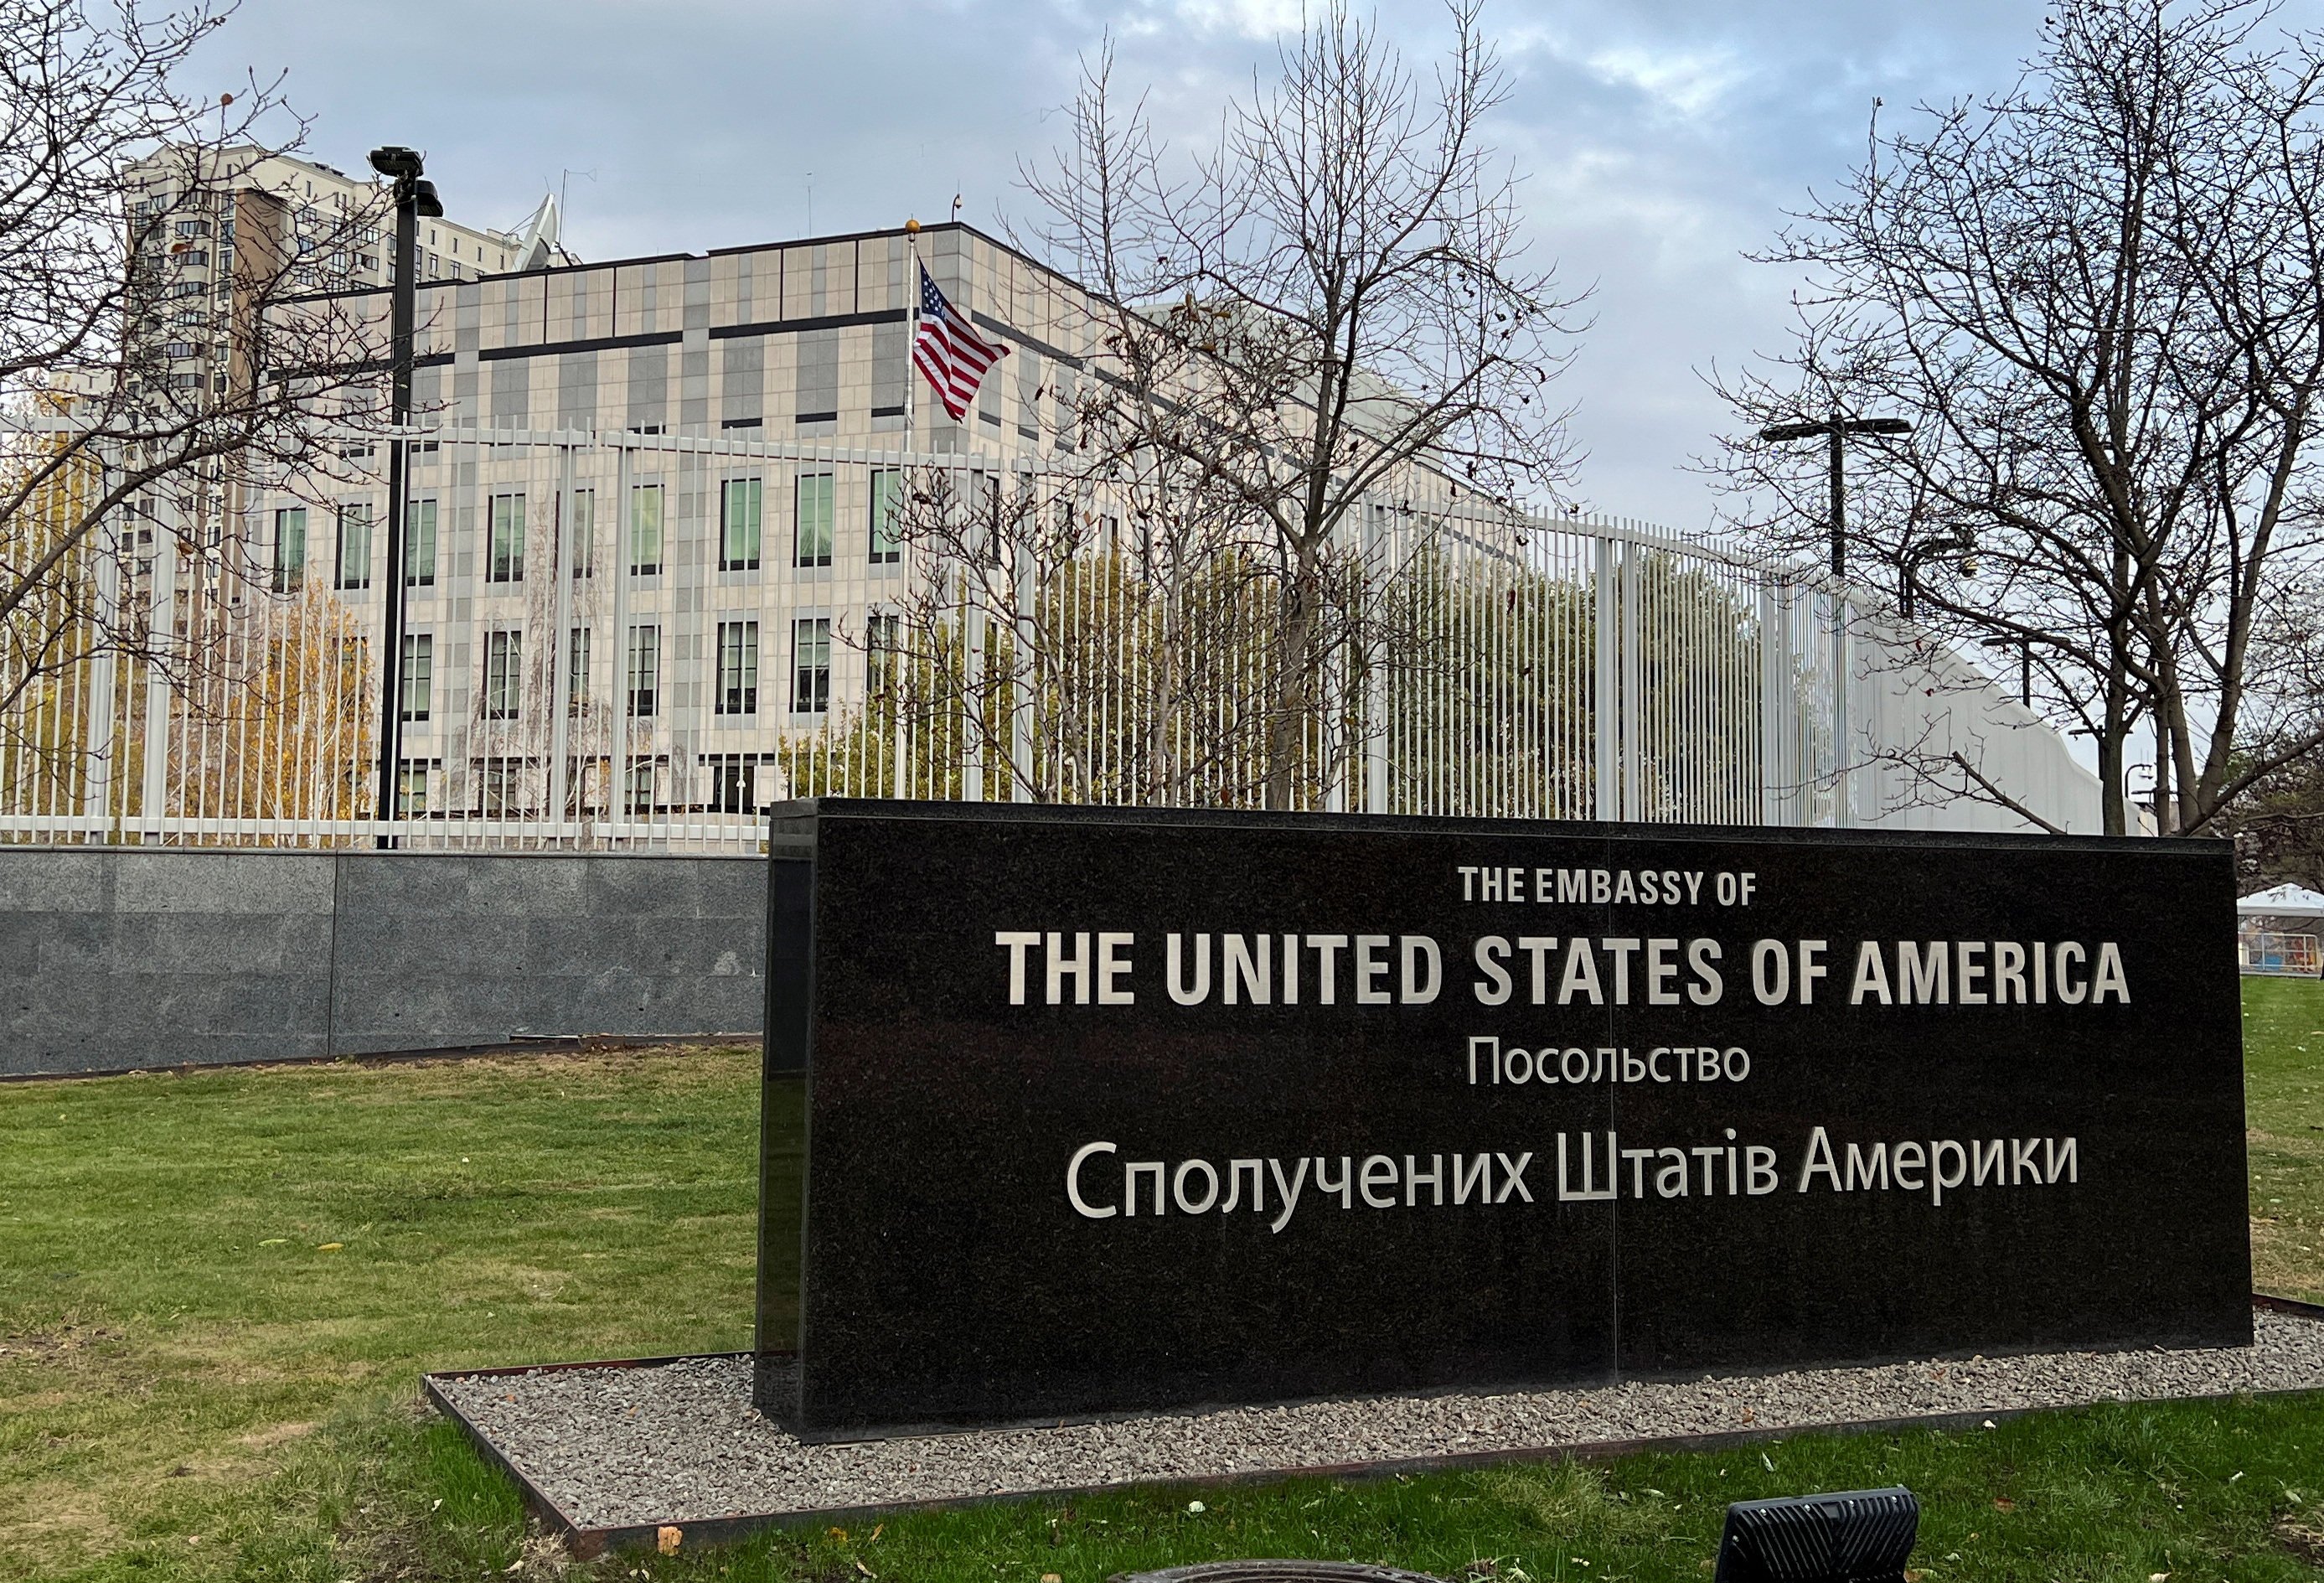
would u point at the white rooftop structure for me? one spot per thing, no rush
(2285, 900)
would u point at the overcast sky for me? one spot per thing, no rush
(1659, 139)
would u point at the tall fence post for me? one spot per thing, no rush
(1376, 660)
(617, 753)
(97, 785)
(1606, 687)
(1774, 650)
(972, 769)
(1843, 798)
(1020, 687)
(1634, 672)
(161, 637)
(896, 676)
(561, 648)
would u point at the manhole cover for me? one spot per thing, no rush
(1276, 1572)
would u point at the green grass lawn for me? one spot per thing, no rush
(2284, 1102)
(218, 1291)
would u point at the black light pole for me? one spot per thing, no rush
(2024, 647)
(1838, 429)
(413, 199)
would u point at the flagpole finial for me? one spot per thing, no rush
(912, 227)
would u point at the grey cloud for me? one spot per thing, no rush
(1663, 138)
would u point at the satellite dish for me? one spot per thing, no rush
(537, 246)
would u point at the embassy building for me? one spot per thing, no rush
(653, 572)
(688, 466)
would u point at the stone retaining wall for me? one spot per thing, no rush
(113, 958)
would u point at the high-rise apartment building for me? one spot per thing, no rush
(331, 230)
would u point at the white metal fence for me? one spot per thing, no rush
(728, 628)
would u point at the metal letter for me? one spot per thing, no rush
(1073, 1183)
(1938, 1180)
(1516, 1182)
(1018, 940)
(1130, 1185)
(1287, 1191)
(1178, 1187)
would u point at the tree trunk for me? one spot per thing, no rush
(1288, 710)
(2166, 813)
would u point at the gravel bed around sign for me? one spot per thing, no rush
(680, 1442)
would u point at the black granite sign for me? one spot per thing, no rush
(1112, 1110)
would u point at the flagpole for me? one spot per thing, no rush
(911, 333)
(903, 474)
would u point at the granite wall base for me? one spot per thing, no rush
(114, 959)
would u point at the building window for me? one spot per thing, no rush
(883, 640)
(733, 786)
(738, 525)
(811, 666)
(645, 669)
(420, 544)
(645, 530)
(886, 503)
(737, 668)
(290, 550)
(355, 545)
(812, 529)
(411, 789)
(418, 674)
(503, 785)
(576, 672)
(503, 674)
(639, 793)
(507, 543)
(584, 533)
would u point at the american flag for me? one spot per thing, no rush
(953, 356)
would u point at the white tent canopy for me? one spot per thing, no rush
(2286, 901)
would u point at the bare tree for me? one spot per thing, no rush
(1082, 645)
(2100, 297)
(164, 343)
(2277, 817)
(1328, 300)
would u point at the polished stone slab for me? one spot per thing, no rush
(1790, 1124)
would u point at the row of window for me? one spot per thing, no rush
(740, 513)
(507, 788)
(737, 659)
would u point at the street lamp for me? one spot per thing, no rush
(2024, 647)
(1838, 429)
(414, 196)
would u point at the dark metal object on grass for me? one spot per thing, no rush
(1856, 1536)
